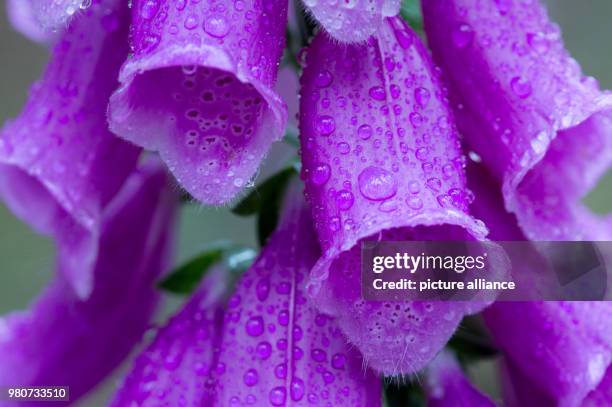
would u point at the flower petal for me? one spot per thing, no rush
(277, 349)
(447, 386)
(173, 369)
(563, 347)
(381, 160)
(354, 20)
(199, 89)
(21, 16)
(53, 14)
(526, 108)
(65, 341)
(59, 165)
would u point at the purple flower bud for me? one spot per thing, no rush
(524, 105)
(55, 14)
(199, 89)
(23, 20)
(63, 340)
(277, 349)
(273, 348)
(381, 160)
(447, 386)
(352, 21)
(59, 165)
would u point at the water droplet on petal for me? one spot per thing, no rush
(377, 184)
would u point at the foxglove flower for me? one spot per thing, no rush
(59, 165)
(63, 340)
(558, 351)
(526, 108)
(55, 14)
(199, 89)
(21, 16)
(274, 347)
(381, 161)
(447, 386)
(352, 21)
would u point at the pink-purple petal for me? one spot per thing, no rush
(21, 16)
(200, 89)
(173, 370)
(447, 386)
(524, 105)
(352, 21)
(381, 160)
(63, 340)
(59, 165)
(277, 349)
(56, 14)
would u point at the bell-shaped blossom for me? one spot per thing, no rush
(272, 346)
(59, 164)
(199, 89)
(62, 340)
(48, 15)
(381, 161)
(354, 20)
(277, 349)
(557, 352)
(447, 386)
(21, 16)
(524, 105)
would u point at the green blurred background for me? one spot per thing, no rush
(26, 260)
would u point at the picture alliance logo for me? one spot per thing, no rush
(414, 263)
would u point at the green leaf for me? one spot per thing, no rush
(411, 12)
(403, 392)
(185, 278)
(266, 192)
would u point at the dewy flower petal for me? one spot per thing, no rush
(175, 366)
(381, 160)
(526, 108)
(277, 349)
(199, 89)
(65, 341)
(54, 14)
(558, 351)
(352, 21)
(446, 385)
(59, 165)
(21, 16)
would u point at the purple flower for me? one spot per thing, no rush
(558, 352)
(63, 340)
(21, 17)
(447, 386)
(381, 160)
(54, 14)
(59, 165)
(199, 89)
(271, 348)
(353, 20)
(526, 108)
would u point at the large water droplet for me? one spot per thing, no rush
(216, 26)
(521, 87)
(320, 174)
(462, 35)
(377, 184)
(325, 125)
(255, 326)
(277, 396)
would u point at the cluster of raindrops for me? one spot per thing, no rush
(377, 133)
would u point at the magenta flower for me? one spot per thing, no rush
(63, 340)
(199, 89)
(381, 160)
(59, 165)
(272, 347)
(22, 18)
(447, 386)
(526, 108)
(558, 352)
(352, 21)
